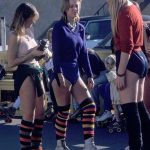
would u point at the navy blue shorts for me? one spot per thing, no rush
(137, 63)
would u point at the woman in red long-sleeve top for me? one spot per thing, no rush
(127, 28)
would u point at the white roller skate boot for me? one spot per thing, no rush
(106, 115)
(61, 145)
(90, 145)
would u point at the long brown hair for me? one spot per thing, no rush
(65, 7)
(23, 12)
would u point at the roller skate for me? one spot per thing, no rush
(104, 119)
(12, 111)
(90, 145)
(49, 113)
(4, 113)
(61, 145)
(115, 126)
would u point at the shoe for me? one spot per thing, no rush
(49, 113)
(106, 115)
(90, 145)
(61, 145)
(10, 111)
(50, 108)
(127, 148)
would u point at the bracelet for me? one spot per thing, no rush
(121, 75)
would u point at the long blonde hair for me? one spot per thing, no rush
(23, 12)
(114, 8)
(65, 7)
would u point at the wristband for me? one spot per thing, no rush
(121, 75)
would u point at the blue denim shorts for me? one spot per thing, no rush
(137, 63)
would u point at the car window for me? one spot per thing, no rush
(83, 22)
(98, 29)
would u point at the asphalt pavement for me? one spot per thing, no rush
(9, 139)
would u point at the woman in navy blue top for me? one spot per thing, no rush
(70, 52)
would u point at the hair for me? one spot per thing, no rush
(65, 7)
(111, 59)
(23, 12)
(114, 8)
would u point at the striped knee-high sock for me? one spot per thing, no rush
(26, 128)
(61, 121)
(37, 134)
(88, 117)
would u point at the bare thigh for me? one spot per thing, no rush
(141, 89)
(39, 106)
(28, 98)
(130, 93)
(80, 91)
(62, 93)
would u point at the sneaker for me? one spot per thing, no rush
(106, 115)
(90, 145)
(61, 145)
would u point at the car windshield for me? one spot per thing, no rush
(98, 29)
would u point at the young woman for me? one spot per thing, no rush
(22, 50)
(69, 52)
(127, 28)
(147, 51)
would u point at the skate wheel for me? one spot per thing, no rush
(110, 130)
(8, 120)
(118, 130)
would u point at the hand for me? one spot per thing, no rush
(90, 83)
(120, 82)
(61, 79)
(48, 55)
(36, 53)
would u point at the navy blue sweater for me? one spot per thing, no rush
(69, 47)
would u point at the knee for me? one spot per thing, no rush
(88, 106)
(63, 112)
(39, 113)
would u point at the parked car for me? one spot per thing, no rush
(96, 29)
(98, 33)
(104, 46)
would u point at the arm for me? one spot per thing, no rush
(100, 79)
(84, 59)
(125, 31)
(84, 62)
(56, 47)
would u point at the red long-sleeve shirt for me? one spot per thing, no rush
(130, 30)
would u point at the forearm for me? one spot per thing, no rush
(123, 62)
(19, 60)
